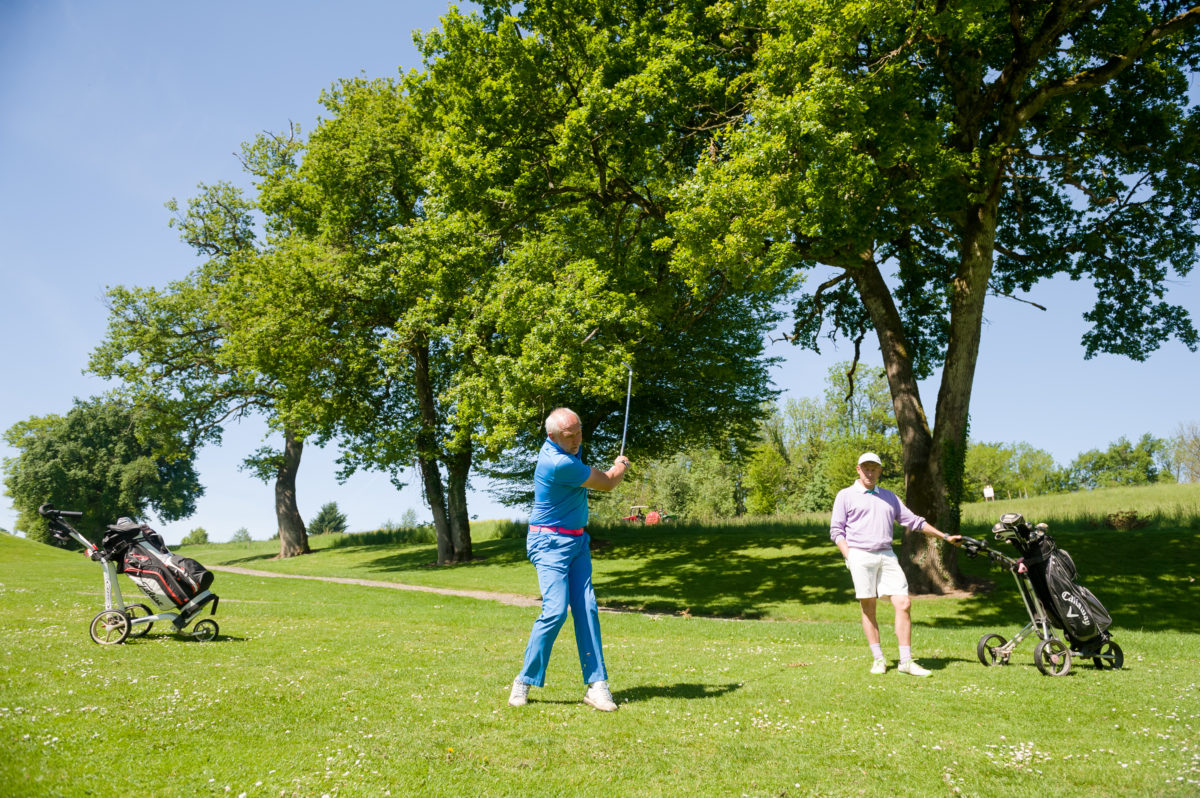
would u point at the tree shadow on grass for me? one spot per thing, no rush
(733, 572)
(1148, 579)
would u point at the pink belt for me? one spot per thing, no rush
(560, 530)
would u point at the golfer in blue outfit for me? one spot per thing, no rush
(557, 545)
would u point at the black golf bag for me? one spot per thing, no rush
(139, 552)
(1069, 605)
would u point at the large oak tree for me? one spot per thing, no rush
(915, 158)
(494, 232)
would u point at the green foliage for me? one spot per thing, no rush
(242, 535)
(102, 458)
(809, 449)
(328, 520)
(874, 128)
(1123, 463)
(1184, 453)
(1011, 470)
(700, 484)
(202, 352)
(590, 122)
(487, 239)
(170, 348)
(197, 537)
(768, 480)
(510, 530)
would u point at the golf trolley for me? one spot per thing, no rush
(1046, 579)
(177, 585)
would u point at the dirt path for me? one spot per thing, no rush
(504, 598)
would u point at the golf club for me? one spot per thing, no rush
(628, 392)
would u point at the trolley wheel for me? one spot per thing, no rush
(1110, 656)
(205, 630)
(138, 611)
(1052, 657)
(109, 627)
(988, 649)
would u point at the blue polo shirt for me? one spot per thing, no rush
(559, 498)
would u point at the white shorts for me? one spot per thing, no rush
(876, 573)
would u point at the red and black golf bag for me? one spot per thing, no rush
(139, 552)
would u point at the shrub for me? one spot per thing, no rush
(1124, 520)
(511, 530)
(389, 535)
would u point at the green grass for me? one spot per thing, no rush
(318, 689)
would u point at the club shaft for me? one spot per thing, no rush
(628, 392)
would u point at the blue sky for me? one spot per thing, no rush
(108, 110)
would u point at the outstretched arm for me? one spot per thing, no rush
(932, 531)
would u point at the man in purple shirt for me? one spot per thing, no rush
(864, 517)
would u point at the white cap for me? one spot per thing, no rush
(869, 457)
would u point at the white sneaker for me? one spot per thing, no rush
(912, 668)
(879, 666)
(598, 696)
(519, 695)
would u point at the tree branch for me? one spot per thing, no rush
(1092, 78)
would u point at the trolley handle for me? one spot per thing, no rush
(50, 511)
(63, 531)
(974, 547)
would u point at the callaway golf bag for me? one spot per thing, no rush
(1049, 586)
(1070, 606)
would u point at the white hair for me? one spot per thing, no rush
(559, 418)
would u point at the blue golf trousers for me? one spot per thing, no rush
(564, 571)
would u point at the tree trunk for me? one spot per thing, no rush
(458, 467)
(293, 539)
(428, 453)
(930, 568)
(431, 479)
(951, 428)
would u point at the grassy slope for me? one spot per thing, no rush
(317, 688)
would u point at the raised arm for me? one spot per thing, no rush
(607, 480)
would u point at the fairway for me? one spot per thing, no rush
(318, 688)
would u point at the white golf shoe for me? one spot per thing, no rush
(519, 695)
(911, 667)
(599, 697)
(879, 666)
